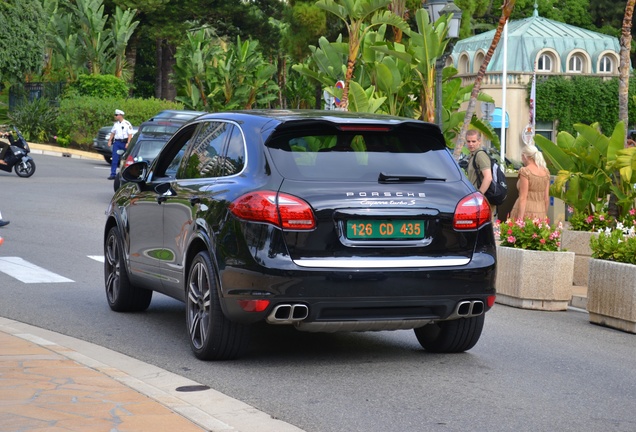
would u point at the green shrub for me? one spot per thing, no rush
(80, 117)
(102, 86)
(36, 119)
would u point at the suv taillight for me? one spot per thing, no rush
(472, 212)
(283, 210)
(129, 161)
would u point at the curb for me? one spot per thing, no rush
(51, 150)
(207, 408)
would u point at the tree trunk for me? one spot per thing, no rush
(506, 10)
(131, 57)
(623, 91)
(624, 67)
(159, 58)
(164, 89)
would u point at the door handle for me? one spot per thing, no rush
(195, 200)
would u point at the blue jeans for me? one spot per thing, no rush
(117, 145)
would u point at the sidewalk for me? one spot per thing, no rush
(53, 382)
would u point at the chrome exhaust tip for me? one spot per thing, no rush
(288, 313)
(469, 308)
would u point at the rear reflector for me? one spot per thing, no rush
(283, 210)
(490, 301)
(472, 212)
(253, 305)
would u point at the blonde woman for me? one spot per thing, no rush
(533, 186)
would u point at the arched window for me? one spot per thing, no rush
(545, 63)
(464, 65)
(576, 64)
(606, 64)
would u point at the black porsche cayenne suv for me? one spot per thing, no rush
(326, 221)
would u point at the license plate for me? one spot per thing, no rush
(385, 229)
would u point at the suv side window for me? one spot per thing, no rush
(235, 154)
(205, 155)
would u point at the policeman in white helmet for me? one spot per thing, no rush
(120, 136)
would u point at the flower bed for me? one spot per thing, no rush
(527, 249)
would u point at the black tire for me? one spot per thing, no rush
(108, 159)
(451, 336)
(122, 296)
(25, 170)
(212, 335)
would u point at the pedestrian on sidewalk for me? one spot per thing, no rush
(479, 170)
(120, 136)
(533, 186)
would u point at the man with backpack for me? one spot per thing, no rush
(479, 170)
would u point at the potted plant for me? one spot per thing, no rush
(527, 248)
(612, 276)
(589, 168)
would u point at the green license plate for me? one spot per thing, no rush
(385, 229)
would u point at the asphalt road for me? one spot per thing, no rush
(531, 371)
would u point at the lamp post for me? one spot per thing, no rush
(436, 9)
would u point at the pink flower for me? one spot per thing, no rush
(509, 232)
(589, 219)
(632, 212)
(542, 241)
(601, 217)
(534, 236)
(511, 239)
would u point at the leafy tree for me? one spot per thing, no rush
(213, 75)
(354, 14)
(22, 36)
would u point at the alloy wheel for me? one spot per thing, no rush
(198, 305)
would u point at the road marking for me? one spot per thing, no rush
(27, 272)
(99, 258)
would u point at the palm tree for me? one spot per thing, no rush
(506, 10)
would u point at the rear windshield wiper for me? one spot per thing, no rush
(400, 178)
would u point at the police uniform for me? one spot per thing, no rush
(121, 133)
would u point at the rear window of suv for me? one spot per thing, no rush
(361, 154)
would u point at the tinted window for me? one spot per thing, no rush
(235, 155)
(362, 155)
(149, 149)
(159, 128)
(205, 157)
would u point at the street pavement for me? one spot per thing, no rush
(49, 381)
(53, 382)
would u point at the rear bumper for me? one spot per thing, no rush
(406, 298)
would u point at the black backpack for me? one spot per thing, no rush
(498, 189)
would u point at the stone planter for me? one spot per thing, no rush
(611, 294)
(534, 279)
(579, 243)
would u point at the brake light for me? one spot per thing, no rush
(282, 210)
(364, 128)
(472, 212)
(129, 161)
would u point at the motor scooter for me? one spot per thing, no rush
(17, 155)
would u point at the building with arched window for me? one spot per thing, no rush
(535, 43)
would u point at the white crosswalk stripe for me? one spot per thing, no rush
(27, 272)
(99, 258)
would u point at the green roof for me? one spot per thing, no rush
(528, 36)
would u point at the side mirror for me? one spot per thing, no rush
(136, 172)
